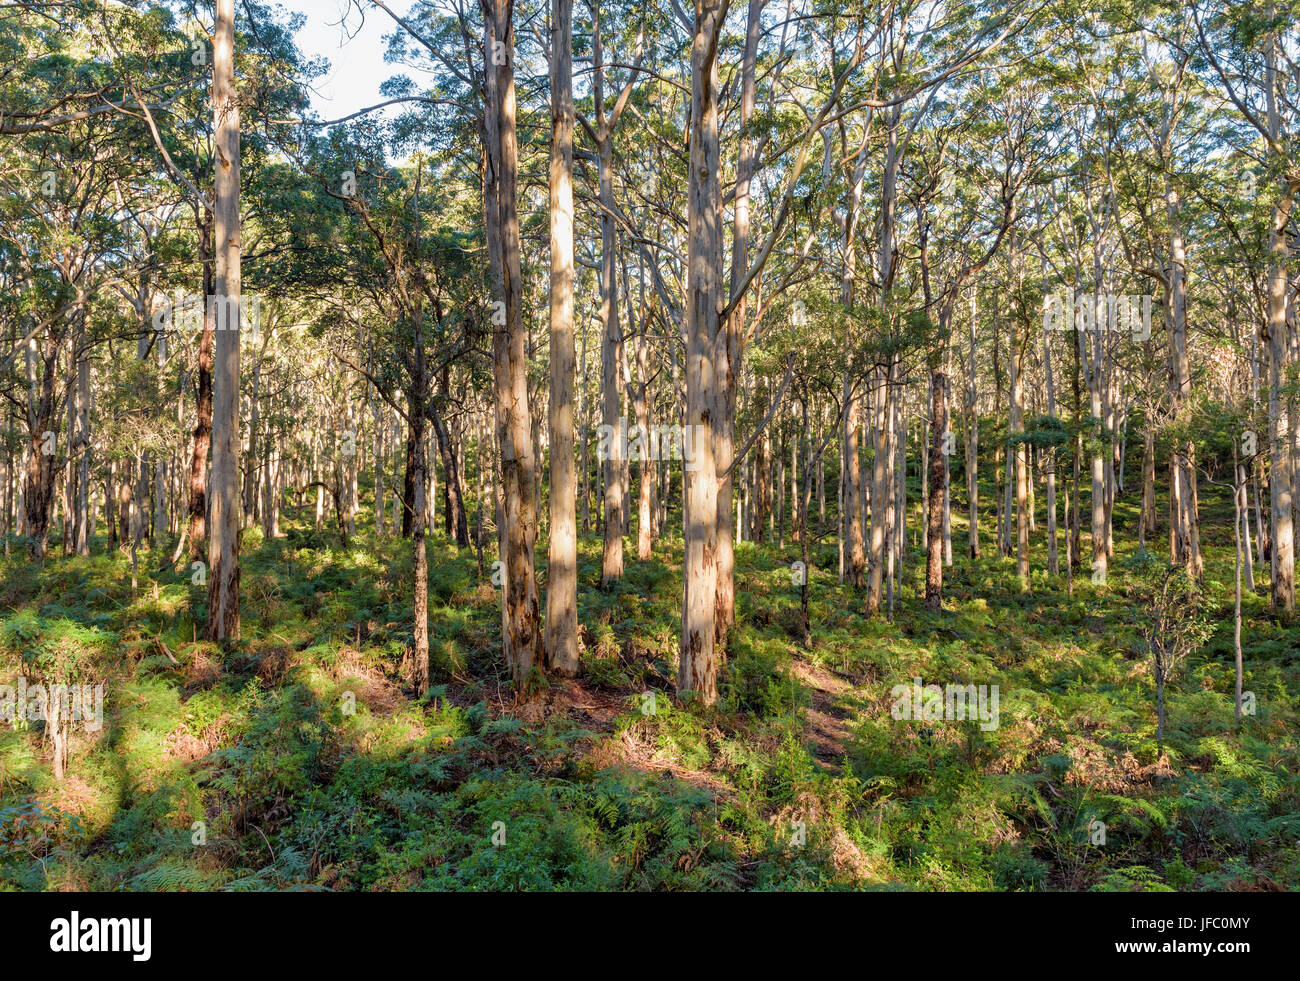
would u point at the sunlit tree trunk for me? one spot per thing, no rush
(972, 441)
(936, 506)
(1021, 455)
(1183, 536)
(611, 335)
(562, 575)
(697, 669)
(419, 673)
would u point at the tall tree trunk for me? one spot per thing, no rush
(381, 446)
(646, 461)
(1184, 544)
(697, 669)
(611, 334)
(1021, 451)
(201, 442)
(223, 542)
(879, 491)
(562, 576)
(419, 519)
(1280, 472)
(453, 496)
(938, 468)
(1100, 454)
(38, 492)
(730, 341)
(972, 442)
(408, 485)
(517, 528)
(1053, 560)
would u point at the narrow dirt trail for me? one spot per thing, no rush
(827, 734)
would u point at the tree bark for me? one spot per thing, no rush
(223, 542)
(697, 668)
(938, 490)
(562, 570)
(517, 528)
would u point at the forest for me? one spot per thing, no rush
(786, 445)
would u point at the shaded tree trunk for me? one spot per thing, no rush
(517, 527)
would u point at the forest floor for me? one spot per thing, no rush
(298, 758)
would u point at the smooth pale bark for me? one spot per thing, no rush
(972, 442)
(611, 342)
(1240, 523)
(852, 482)
(143, 485)
(1031, 456)
(762, 481)
(1280, 477)
(611, 334)
(893, 527)
(1009, 474)
(780, 493)
(936, 506)
(1053, 560)
(253, 464)
(1021, 454)
(899, 478)
(350, 469)
(802, 529)
(1184, 544)
(562, 574)
(1243, 479)
(1280, 420)
(381, 446)
(731, 340)
(947, 462)
(1075, 549)
(795, 522)
(517, 525)
(883, 498)
(270, 490)
(581, 419)
(1147, 525)
(879, 492)
(160, 499)
(1093, 369)
(223, 542)
(645, 461)
(851, 478)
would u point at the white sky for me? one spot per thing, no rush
(357, 66)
